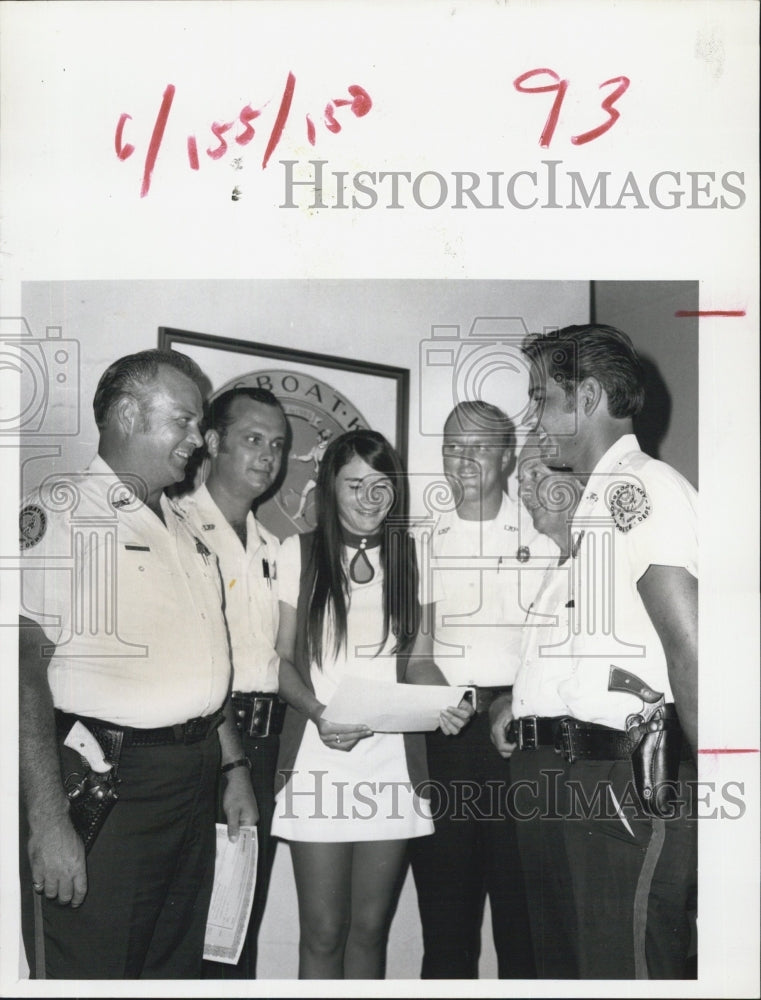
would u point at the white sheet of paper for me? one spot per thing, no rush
(232, 896)
(391, 708)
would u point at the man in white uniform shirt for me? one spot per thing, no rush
(538, 799)
(619, 686)
(246, 437)
(122, 631)
(483, 562)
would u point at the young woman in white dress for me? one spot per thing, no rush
(347, 801)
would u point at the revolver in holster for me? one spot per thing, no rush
(656, 737)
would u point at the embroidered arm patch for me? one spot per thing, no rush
(629, 504)
(33, 523)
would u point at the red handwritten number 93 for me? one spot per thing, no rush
(561, 86)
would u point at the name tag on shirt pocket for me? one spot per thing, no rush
(133, 556)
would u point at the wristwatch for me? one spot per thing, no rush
(240, 762)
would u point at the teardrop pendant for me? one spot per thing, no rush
(360, 569)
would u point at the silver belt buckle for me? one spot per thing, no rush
(266, 721)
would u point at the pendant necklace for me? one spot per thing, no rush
(360, 567)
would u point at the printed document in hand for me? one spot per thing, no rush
(232, 895)
(391, 708)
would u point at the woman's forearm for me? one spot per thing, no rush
(293, 690)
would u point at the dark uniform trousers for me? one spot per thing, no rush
(606, 901)
(149, 874)
(262, 751)
(474, 851)
(539, 800)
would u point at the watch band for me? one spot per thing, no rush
(240, 762)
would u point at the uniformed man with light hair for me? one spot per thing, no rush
(484, 565)
(124, 678)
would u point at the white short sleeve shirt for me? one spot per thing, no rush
(635, 512)
(132, 607)
(250, 579)
(482, 577)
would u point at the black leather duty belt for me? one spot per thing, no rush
(486, 695)
(192, 731)
(258, 713)
(573, 739)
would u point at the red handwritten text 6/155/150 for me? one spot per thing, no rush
(358, 103)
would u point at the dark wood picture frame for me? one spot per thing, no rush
(171, 338)
(318, 398)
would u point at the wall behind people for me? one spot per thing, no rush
(668, 344)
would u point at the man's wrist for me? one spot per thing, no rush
(234, 764)
(46, 809)
(499, 705)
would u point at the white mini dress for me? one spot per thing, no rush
(364, 793)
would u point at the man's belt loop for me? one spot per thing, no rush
(566, 733)
(266, 721)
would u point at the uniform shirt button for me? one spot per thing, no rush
(141, 568)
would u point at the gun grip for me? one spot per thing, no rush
(622, 681)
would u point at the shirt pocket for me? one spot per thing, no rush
(144, 592)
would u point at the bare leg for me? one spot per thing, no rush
(323, 883)
(376, 868)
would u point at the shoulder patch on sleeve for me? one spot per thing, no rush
(629, 504)
(33, 524)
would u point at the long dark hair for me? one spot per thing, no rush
(330, 594)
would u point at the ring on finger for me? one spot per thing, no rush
(338, 739)
(38, 886)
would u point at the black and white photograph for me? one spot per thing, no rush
(364, 476)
